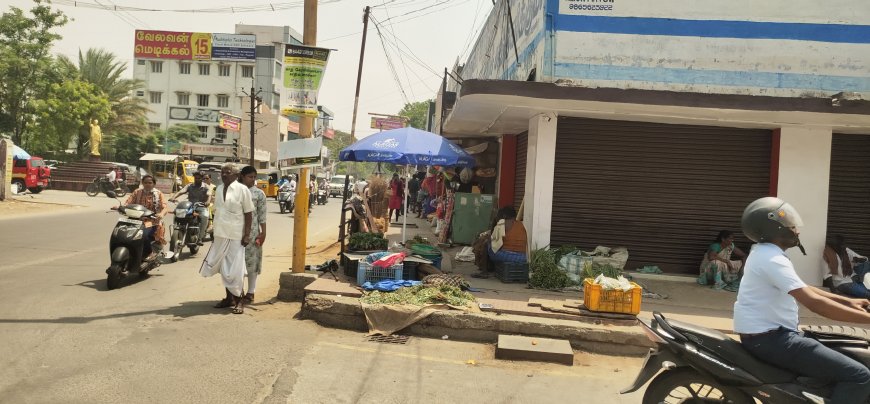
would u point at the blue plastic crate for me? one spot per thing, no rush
(512, 272)
(369, 273)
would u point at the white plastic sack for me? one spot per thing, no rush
(619, 283)
(466, 255)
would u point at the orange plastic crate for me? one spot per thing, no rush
(611, 301)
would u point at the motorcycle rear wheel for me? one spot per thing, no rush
(113, 278)
(92, 189)
(690, 387)
(122, 190)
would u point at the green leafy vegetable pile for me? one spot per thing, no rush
(367, 242)
(546, 273)
(421, 295)
(592, 270)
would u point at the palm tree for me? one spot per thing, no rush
(102, 69)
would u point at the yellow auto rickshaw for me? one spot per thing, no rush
(171, 171)
(267, 181)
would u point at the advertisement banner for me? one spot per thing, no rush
(387, 123)
(194, 114)
(303, 72)
(233, 47)
(299, 153)
(229, 122)
(172, 45)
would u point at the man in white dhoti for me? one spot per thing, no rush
(232, 232)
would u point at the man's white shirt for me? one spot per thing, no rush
(229, 215)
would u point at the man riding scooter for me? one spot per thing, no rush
(766, 311)
(198, 191)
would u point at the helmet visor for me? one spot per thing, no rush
(786, 215)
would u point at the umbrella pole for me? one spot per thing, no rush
(405, 216)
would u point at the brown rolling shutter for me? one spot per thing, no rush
(662, 191)
(849, 193)
(520, 179)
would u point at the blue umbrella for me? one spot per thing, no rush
(407, 146)
(19, 153)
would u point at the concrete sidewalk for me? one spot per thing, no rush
(686, 300)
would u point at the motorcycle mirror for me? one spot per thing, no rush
(111, 194)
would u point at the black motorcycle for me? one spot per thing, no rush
(693, 364)
(127, 244)
(185, 229)
(322, 196)
(101, 184)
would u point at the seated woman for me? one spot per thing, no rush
(508, 240)
(717, 268)
(844, 269)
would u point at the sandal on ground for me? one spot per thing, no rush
(224, 304)
(239, 307)
(249, 298)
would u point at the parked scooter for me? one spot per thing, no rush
(185, 228)
(286, 199)
(127, 244)
(696, 364)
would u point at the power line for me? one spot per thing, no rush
(401, 21)
(390, 62)
(272, 7)
(392, 32)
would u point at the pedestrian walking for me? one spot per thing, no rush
(232, 232)
(254, 250)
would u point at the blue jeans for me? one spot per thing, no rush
(790, 350)
(149, 240)
(504, 255)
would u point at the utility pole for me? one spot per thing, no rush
(362, 54)
(255, 103)
(306, 129)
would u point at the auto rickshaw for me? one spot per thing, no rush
(171, 171)
(267, 181)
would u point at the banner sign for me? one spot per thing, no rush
(229, 122)
(303, 72)
(194, 114)
(299, 153)
(172, 45)
(387, 123)
(233, 47)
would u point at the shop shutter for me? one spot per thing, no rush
(662, 191)
(849, 193)
(520, 178)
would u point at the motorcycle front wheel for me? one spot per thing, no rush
(281, 206)
(688, 386)
(113, 278)
(92, 189)
(177, 243)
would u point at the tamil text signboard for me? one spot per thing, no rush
(387, 123)
(229, 122)
(303, 72)
(194, 46)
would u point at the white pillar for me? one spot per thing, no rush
(804, 175)
(540, 167)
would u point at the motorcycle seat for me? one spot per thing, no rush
(727, 348)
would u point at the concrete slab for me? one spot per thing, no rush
(515, 347)
(329, 286)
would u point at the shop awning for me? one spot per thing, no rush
(159, 157)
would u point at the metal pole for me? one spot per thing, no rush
(362, 54)
(253, 111)
(306, 126)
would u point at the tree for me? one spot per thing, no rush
(335, 145)
(26, 66)
(417, 113)
(64, 115)
(129, 148)
(102, 69)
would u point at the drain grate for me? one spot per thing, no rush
(395, 339)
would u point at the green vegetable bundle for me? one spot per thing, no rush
(421, 295)
(367, 242)
(546, 273)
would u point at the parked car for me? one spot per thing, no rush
(31, 174)
(336, 184)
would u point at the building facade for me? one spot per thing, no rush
(653, 124)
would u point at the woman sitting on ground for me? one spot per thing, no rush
(844, 269)
(717, 268)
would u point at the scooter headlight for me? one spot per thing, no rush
(138, 235)
(181, 213)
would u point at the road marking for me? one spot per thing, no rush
(48, 259)
(448, 361)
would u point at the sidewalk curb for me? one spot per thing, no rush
(346, 313)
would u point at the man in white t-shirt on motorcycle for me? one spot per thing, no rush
(766, 311)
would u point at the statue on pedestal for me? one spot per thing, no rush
(96, 138)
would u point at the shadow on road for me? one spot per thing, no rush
(100, 284)
(183, 310)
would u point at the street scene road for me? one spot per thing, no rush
(69, 339)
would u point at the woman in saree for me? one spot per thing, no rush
(717, 268)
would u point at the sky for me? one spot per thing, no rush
(435, 32)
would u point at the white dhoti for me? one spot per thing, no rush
(227, 257)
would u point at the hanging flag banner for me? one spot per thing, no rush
(303, 72)
(229, 122)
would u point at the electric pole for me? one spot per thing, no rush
(255, 103)
(362, 54)
(306, 129)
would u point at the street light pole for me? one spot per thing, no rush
(306, 126)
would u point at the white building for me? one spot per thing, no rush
(191, 91)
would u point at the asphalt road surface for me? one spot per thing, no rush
(65, 338)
